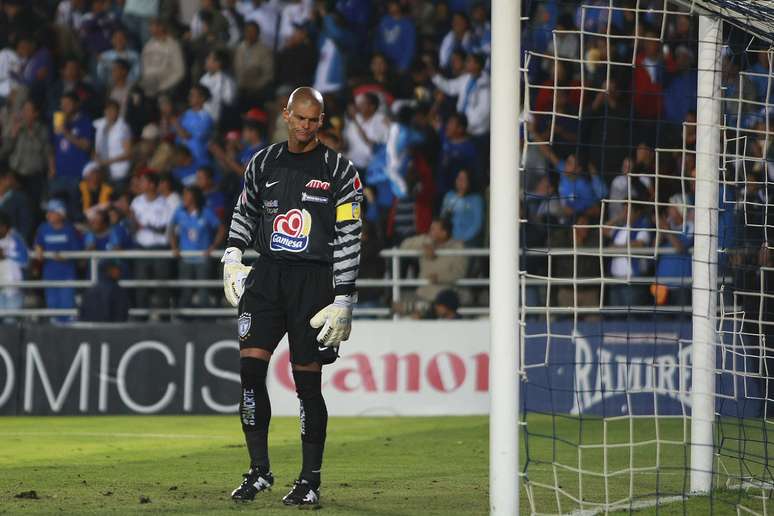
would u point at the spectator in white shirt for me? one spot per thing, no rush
(13, 259)
(458, 38)
(221, 85)
(365, 127)
(295, 13)
(472, 92)
(265, 15)
(151, 214)
(113, 142)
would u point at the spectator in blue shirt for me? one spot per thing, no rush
(580, 196)
(213, 197)
(458, 152)
(673, 269)
(396, 36)
(195, 127)
(465, 208)
(58, 235)
(98, 235)
(680, 93)
(73, 141)
(185, 167)
(194, 227)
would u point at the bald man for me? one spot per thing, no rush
(300, 209)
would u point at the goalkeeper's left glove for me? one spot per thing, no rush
(335, 320)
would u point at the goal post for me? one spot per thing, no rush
(705, 249)
(504, 486)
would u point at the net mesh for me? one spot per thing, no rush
(609, 232)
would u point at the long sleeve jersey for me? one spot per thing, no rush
(302, 207)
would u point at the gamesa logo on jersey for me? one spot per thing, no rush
(291, 231)
(316, 184)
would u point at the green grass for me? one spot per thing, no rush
(373, 466)
(189, 465)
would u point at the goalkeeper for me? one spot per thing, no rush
(300, 209)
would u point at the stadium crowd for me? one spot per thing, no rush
(124, 127)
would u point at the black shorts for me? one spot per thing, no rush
(281, 297)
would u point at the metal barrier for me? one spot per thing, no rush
(394, 283)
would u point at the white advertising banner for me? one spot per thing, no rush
(410, 368)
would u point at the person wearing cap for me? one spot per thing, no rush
(95, 192)
(57, 235)
(195, 127)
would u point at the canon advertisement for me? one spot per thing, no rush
(386, 368)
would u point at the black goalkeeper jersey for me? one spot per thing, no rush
(302, 207)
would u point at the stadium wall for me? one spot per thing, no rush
(408, 368)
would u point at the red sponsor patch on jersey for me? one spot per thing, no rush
(316, 184)
(356, 183)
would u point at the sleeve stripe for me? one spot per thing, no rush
(343, 264)
(345, 251)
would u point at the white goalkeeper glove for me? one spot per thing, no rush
(234, 275)
(335, 320)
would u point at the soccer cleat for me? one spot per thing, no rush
(253, 483)
(303, 495)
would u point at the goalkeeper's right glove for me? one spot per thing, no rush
(234, 275)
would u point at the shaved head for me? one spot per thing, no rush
(304, 116)
(305, 95)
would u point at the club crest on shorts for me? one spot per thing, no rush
(243, 324)
(291, 231)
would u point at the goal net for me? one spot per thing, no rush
(647, 280)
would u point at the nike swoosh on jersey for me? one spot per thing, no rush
(269, 185)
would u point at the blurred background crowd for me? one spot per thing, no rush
(127, 124)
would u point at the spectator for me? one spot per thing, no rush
(680, 92)
(71, 81)
(106, 301)
(120, 87)
(113, 143)
(296, 12)
(73, 140)
(57, 235)
(219, 84)
(137, 16)
(472, 92)
(445, 306)
(10, 70)
(95, 192)
(184, 169)
(97, 27)
(151, 215)
(458, 38)
(266, 16)
(458, 152)
(98, 235)
(120, 235)
(213, 197)
(648, 79)
(194, 227)
(15, 205)
(482, 29)
(619, 189)
(152, 152)
(27, 147)
(673, 268)
(335, 42)
(195, 127)
(13, 261)
(234, 20)
(168, 191)
(37, 67)
(364, 129)
(440, 271)
(253, 66)
(396, 36)
(163, 66)
(297, 62)
(580, 196)
(120, 50)
(209, 18)
(465, 208)
(629, 229)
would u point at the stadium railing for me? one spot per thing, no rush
(393, 282)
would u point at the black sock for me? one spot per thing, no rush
(255, 411)
(314, 422)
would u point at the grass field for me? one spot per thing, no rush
(374, 466)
